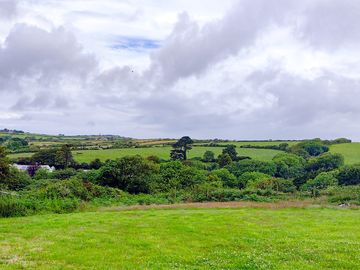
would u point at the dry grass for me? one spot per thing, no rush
(273, 205)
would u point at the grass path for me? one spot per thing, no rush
(214, 238)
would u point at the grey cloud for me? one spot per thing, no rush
(8, 9)
(47, 57)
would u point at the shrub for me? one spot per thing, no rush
(349, 175)
(249, 165)
(250, 178)
(342, 194)
(322, 181)
(276, 184)
(289, 165)
(133, 174)
(16, 180)
(11, 207)
(325, 162)
(226, 177)
(63, 174)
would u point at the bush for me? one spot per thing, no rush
(349, 175)
(289, 165)
(345, 194)
(322, 181)
(16, 180)
(63, 174)
(325, 162)
(11, 207)
(228, 179)
(133, 174)
(249, 165)
(275, 184)
(250, 178)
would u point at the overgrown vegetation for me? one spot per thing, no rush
(303, 170)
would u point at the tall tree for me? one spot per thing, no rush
(64, 156)
(4, 164)
(181, 147)
(231, 151)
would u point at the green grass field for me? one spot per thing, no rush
(164, 152)
(351, 152)
(248, 238)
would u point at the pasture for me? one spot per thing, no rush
(351, 152)
(216, 238)
(164, 153)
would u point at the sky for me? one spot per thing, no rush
(231, 69)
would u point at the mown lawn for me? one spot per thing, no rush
(247, 238)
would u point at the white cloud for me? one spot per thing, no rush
(264, 69)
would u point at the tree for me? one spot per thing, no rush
(4, 164)
(231, 151)
(289, 165)
(64, 157)
(252, 165)
(181, 147)
(322, 181)
(349, 175)
(96, 164)
(228, 179)
(224, 160)
(209, 156)
(325, 162)
(309, 148)
(133, 174)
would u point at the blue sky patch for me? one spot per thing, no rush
(135, 44)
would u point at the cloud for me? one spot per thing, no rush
(8, 9)
(266, 69)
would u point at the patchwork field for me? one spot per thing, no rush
(248, 238)
(351, 152)
(164, 153)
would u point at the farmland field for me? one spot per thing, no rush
(164, 152)
(351, 152)
(217, 238)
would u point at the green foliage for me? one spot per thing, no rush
(309, 148)
(63, 174)
(349, 175)
(228, 179)
(96, 164)
(133, 174)
(342, 194)
(231, 151)
(4, 164)
(289, 165)
(224, 160)
(181, 147)
(15, 144)
(248, 179)
(16, 180)
(322, 181)
(11, 206)
(272, 183)
(64, 158)
(250, 165)
(325, 162)
(209, 156)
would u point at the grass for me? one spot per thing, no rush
(351, 152)
(164, 152)
(247, 238)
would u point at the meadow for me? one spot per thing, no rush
(164, 153)
(351, 152)
(185, 238)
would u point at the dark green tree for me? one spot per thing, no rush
(231, 151)
(4, 164)
(64, 157)
(209, 156)
(224, 160)
(181, 147)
